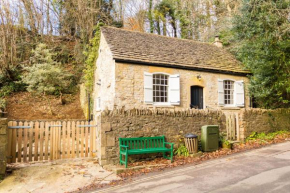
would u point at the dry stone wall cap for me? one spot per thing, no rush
(190, 135)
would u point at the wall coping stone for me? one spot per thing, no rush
(160, 112)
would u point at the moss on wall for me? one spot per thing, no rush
(261, 120)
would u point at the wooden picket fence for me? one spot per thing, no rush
(49, 140)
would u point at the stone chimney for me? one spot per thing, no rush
(217, 42)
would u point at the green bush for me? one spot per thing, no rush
(6, 90)
(10, 82)
(3, 104)
(63, 54)
(261, 34)
(263, 136)
(46, 76)
(182, 151)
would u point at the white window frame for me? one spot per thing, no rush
(168, 97)
(173, 89)
(235, 94)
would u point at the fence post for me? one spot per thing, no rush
(3, 146)
(9, 148)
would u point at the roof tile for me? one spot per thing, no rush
(151, 48)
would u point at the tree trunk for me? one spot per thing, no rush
(164, 26)
(150, 16)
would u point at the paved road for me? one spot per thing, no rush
(259, 171)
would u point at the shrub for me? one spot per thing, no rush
(3, 104)
(263, 136)
(10, 83)
(182, 151)
(46, 76)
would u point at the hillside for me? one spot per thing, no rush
(25, 106)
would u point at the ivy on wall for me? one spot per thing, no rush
(91, 54)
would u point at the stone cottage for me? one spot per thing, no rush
(141, 70)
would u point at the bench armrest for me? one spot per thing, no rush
(171, 144)
(123, 146)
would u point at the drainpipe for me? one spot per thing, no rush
(89, 107)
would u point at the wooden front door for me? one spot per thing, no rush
(196, 95)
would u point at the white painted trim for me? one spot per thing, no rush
(234, 97)
(164, 104)
(164, 73)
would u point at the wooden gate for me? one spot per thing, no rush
(232, 126)
(49, 140)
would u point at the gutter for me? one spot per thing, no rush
(182, 67)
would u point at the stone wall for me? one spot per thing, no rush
(174, 124)
(3, 146)
(261, 120)
(145, 123)
(104, 83)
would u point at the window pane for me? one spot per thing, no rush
(157, 81)
(229, 92)
(160, 91)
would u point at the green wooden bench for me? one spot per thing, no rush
(142, 145)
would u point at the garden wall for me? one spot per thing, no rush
(261, 120)
(3, 146)
(145, 123)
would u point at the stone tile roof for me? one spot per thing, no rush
(166, 51)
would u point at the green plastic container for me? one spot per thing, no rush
(210, 138)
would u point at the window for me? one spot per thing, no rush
(229, 92)
(160, 88)
(98, 103)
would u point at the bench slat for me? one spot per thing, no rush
(144, 145)
(143, 142)
(152, 150)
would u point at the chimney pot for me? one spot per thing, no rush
(217, 38)
(217, 41)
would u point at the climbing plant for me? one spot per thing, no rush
(91, 54)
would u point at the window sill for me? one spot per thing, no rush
(231, 108)
(162, 105)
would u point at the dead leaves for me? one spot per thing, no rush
(160, 164)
